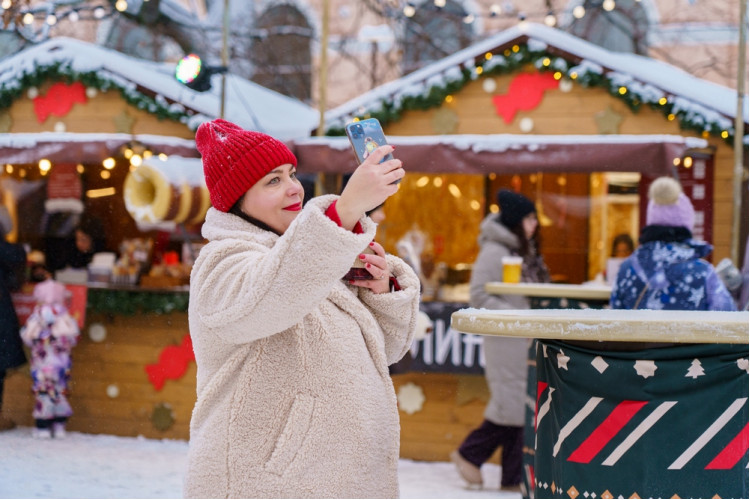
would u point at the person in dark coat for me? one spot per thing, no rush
(515, 232)
(12, 354)
(668, 270)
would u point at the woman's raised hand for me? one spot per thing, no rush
(369, 186)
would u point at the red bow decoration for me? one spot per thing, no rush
(524, 93)
(173, 362)
(59, 100)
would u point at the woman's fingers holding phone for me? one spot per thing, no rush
(378, 154)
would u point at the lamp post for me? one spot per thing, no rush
(739, 134)
(224, 56)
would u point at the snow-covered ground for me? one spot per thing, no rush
(102, 466)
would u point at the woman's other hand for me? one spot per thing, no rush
(369, 186)
(377, 266)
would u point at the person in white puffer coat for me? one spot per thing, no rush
(294, 399)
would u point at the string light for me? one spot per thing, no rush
(608, 5)
(579, 11)
(6, 4)
(44, 165)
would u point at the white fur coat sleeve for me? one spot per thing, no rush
(246, 275)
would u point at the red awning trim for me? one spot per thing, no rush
(469, 154)
(508, 153)
(22, 149)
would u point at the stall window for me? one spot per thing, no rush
(282, 55)
(434, 33)
(622, 29)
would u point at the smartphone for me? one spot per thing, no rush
(365, 137)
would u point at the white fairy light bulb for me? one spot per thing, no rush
(28, 18)
(73, 16)
(44, 165)
(440, 3)
(579, 11)
(469, 19)
(608, 5)
(550, 20)
(121, 5)
(6, 4)
(51, 20)
(409, 10)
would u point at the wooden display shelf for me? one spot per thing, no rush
(583, 292)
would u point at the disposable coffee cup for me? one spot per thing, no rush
(512, 269)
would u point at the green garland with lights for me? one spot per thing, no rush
(138, 301)
(62, 72)
(512, 60)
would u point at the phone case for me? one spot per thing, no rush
(365, 136)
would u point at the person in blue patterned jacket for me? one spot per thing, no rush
(668, 270)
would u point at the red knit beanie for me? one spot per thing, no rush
(235, 159)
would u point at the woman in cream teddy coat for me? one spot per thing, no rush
(294, 395)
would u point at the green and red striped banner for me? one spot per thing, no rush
(668, 422)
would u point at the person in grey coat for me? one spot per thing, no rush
(514, 232)
(12, 355)
(294, 399)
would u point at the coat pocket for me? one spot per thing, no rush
(292, 435)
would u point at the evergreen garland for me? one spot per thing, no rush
(62, 72)
(634, 95)
(139, 301)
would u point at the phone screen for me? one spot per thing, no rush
(366, 136)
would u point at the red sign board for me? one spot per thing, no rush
(24, 303)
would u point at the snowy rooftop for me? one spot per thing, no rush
(247, 104)
(671, 80)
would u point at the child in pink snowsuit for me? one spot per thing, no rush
(50, 332)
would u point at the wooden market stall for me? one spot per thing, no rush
(577, 128)
(460, 140)
(73, 119)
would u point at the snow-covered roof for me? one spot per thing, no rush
(649, 74)
(247, 104)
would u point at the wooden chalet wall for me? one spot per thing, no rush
(106, 112)
(118, 362)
